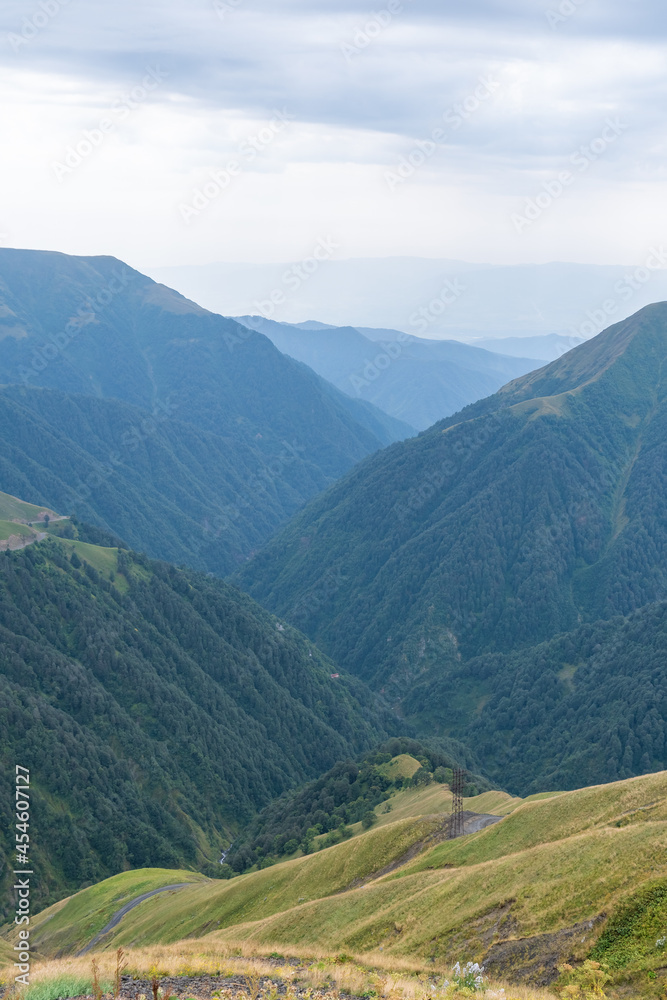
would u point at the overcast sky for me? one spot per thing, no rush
(487, 130)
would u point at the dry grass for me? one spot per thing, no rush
(310, 975)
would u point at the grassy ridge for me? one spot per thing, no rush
(219, 903)
(70, 924)
(594, 860)
(451, 914)
(11, 508)
(9, 528)
(544, 821)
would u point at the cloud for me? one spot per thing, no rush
(363, 85)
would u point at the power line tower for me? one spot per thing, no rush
(456, 819)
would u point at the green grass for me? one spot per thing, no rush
(65, 985)
(71, 924)
(209, 905)
(403, 766)
(6, 953)
(104, 560)
(558, 860)
(11, 508)
(453, 914)
(8, 528)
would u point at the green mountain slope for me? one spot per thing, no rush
(95, 327)
(166, 487)
(157, 709)
(527, 514)
(560, 878)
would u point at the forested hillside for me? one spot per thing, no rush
(164, 486)
(347, 794)
(265, 433)
(527, 514)
(157, 710)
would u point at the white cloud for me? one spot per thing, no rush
(352, 119)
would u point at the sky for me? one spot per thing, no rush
(174, 132)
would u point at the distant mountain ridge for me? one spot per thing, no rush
(495, 301)
(415, 380)
(140, 370)
(527, 514)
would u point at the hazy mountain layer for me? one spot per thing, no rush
(415, 380)
(93, 326)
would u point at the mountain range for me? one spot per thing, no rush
(179, 430)
(415, 380)
(433, 298)
(437, 569)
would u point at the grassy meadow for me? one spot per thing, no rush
(568, 876)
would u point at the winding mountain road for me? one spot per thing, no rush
(118, 916)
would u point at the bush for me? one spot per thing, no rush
(422, 777)
(586, 982)
(368, 819)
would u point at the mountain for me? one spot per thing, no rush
(343, 797)
(435, 298)
(521, 518)
(547, 347)
(93, 327)
(415, 380)
(557, 878)
(163, 485)
(157, 710)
